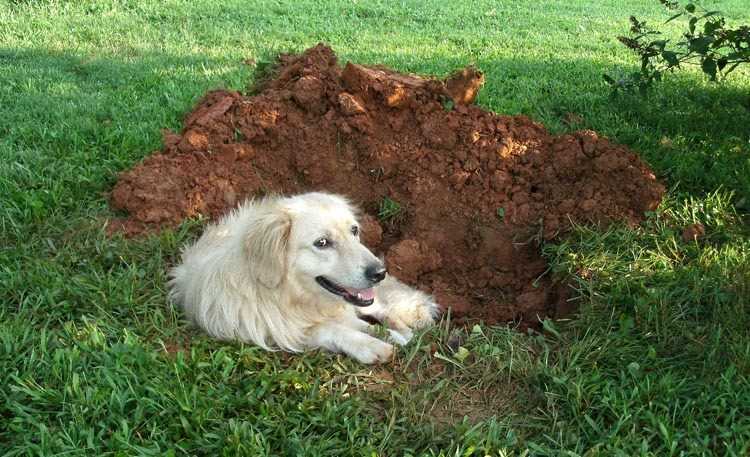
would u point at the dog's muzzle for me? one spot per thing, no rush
(357, 297)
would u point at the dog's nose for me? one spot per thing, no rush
(375, 272)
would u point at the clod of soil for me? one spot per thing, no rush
(477, 191)
(693, 232)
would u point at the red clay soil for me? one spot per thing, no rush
(478, 191)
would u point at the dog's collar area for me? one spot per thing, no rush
(357, 297)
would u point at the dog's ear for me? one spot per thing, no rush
(266, 243)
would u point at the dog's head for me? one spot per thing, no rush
(313, 240)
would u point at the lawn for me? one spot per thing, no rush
(93, 361)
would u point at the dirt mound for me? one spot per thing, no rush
(471, 193)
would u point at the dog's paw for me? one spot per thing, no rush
(418, 315)
(400, 336)
(402, 323)
(427, 313)
(375, 352)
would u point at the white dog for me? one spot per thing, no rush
(291, 273)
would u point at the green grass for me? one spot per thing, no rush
(94, 362)
(389, 209)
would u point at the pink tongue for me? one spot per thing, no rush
(362, 294)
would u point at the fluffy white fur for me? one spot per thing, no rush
(252, 277)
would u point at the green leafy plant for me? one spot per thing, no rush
(707, 42)
(389, 209)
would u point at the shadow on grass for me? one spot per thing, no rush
(63, 100)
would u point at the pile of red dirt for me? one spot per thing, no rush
(477, 191)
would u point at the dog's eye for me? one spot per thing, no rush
(322, 243)
(355, 230)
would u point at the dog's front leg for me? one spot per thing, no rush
(338, 337)
(402, 309)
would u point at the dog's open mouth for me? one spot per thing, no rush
(357, 297)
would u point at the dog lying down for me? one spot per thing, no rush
(291, 273)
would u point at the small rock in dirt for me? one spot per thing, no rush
(588, 141)
(463, 86)
(350, 105)
(693, 232)
(471, 164)
(588, 205)
(216, 110)
(610, 161)
(308, 92)
(170, 139)
(193, 140)
(505, 148)
(459, 178)
(501, 180)
(372, 232)
(438, 133)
